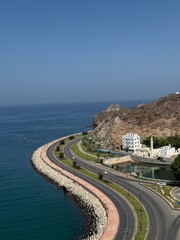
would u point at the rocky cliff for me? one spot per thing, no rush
(159, 118)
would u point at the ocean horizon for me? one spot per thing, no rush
(125, 103)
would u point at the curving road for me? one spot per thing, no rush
(127, 219)
(163, 221)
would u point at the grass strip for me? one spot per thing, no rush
(167, 189)
(101, 154)
(84, 156)
(138, 208)
(84, 147)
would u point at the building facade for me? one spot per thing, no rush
(167, 151)
(131, 141)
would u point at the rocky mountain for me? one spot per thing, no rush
(160, 118)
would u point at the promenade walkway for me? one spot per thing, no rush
(112, 213)
(81, 150)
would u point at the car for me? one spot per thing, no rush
(161, 183)
(161, 159)
(73, 157)
(105, 172)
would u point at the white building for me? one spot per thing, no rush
(167, 151)
(131, 141)
(143, 151)
(164, 152)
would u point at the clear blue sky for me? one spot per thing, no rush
(88, 50)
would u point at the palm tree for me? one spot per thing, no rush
(61, 155)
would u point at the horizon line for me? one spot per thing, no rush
(78, 102)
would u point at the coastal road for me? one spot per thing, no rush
(126, 215)
(163, 221)
(161, 216)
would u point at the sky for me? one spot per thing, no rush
(56, 51)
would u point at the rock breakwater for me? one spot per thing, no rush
(94, 209)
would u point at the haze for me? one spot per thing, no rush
(88, 50)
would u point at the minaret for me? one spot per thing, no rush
(151, 147)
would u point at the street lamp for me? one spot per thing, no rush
(140, 197)
(127, 232)
(127, 179)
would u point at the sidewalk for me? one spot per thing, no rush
(112, 213)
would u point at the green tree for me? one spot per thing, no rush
(176, 167)
(174, 141)
(100, 175)
(98, 155)
(84, 133)
(61, 141)
(61, 155)
(75, 164)
(71, 137)
(57, 148)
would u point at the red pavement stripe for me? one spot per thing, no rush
(112, 213)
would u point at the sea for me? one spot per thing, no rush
(30, 206)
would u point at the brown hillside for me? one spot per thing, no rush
(159, 118)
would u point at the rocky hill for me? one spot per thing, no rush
(160, 118)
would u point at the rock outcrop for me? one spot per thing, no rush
(160, 118)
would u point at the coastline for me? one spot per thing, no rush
(95, 212)
(86, 210)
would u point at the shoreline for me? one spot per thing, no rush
(85, 199)
(87, 212)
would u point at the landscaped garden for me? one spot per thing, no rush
(142, 224)
(165, 192)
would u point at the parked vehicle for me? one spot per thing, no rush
(161, 183)
(161, 159)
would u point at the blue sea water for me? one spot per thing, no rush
(30, 206)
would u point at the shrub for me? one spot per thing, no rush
(176, 167)
(57, 148)
(100, 175)
(84, 133)
(71, 137)
(74, 164)
(61, 155)
(78, 167)
(61, 142)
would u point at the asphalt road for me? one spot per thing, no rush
(127, 219)
(175, 229)
(164, 223)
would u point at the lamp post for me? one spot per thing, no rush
(127, 233)
(140, 197)
(127, 179)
